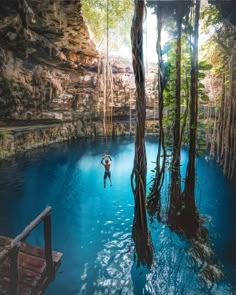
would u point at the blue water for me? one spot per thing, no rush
(92, 225)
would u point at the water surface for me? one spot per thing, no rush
(92, 225)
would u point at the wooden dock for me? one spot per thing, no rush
(27, 269)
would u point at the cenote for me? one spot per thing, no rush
(92, 225)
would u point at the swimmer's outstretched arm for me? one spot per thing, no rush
(103, 159)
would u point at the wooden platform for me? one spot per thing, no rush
(32, 274)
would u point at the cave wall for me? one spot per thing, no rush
(48, 63)
(24, 138)
(50, 68)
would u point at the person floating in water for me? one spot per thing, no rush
(107, 172)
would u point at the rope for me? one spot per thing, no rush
(107, 67)
(146, 39)
(106, 80)
(108, 86)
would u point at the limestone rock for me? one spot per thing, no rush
(47, 59)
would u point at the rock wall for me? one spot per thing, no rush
(53, 80)
(14, 140)
(48, 63)
(50, 68)
(124, 101)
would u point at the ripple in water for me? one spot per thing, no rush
(92, 226)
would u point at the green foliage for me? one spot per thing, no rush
(201, 75)
(201, 138)
(204, 66)
(119, 19)
(210, 19)
(204, 97)
(3, 134)
(169, 91)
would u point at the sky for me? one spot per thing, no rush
(149, 40)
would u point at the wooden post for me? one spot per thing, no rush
(13, 286)
(48, 246)
(22, 236)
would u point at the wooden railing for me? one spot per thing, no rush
(13, 250)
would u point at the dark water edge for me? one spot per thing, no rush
(92, 226)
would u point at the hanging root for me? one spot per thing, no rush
(141, 234)
(154, 205)
(143, 245)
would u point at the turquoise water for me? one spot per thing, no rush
(92, 225)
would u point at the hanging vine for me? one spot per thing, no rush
(154, 199)
(175, 187)
(223, 43)
(140, 232)
(189, 219)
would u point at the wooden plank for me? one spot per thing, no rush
(4, 270)
(26, 277)
(57, 256)
(33, 277)
(29, 282)
(42, 283)
(29, 278)
(39, 252)
(25, 290)
(35, 264)
(33, 250)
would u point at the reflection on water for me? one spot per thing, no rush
(92, 225)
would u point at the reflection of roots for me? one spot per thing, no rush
(143, 246)
(185, 220)
(203, 254)
(211, 274)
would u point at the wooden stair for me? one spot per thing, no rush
(33, 276)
